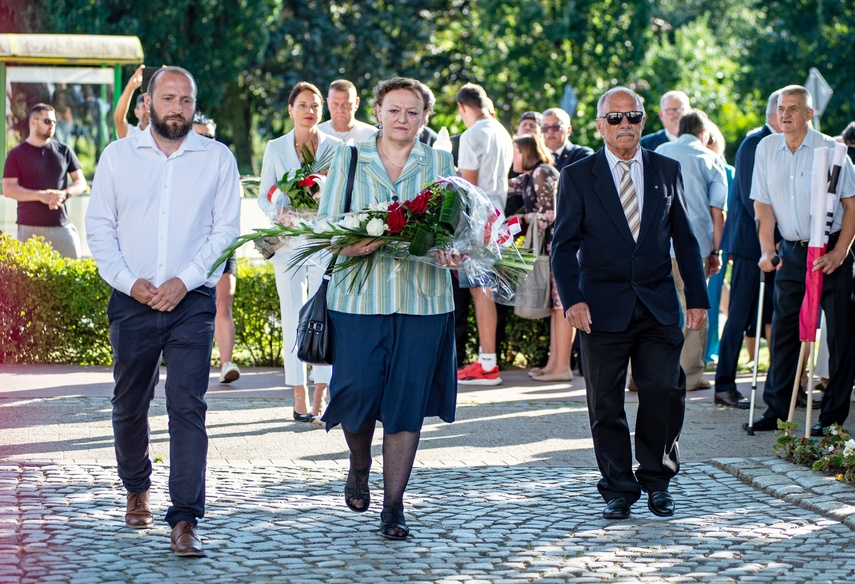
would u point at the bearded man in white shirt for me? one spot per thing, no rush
(154, 238)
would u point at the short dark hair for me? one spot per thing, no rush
(300, 88)
(155, 78)
(40, 107)
(533, 150)
(413, 85)
(140, 99)
(342, 85)
(849, 135)
(693, 122)
(536, 116)
(472, 95)
(202, 119)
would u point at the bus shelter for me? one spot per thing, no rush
(79, 75)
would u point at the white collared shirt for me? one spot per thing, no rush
(636, 173)
(358, 133)
(155, 218)
(782, 179)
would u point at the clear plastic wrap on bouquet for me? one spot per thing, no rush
(482, 242)
(283, 211)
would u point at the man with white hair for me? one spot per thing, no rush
(781, 191)
(619, 211)
(557, 129)
(672, 105)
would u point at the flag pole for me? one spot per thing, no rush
(809, 389)
(799, 370)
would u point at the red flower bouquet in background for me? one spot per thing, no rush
(301, 187)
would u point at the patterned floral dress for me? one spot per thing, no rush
(539, 189)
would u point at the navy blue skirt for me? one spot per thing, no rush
(396, 368)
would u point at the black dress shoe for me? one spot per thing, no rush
(765, 423)
(801, 401)
(732, 399)
(817, 430)
(617, 508)
(303, 417)
(661, 503)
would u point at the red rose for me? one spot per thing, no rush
(420, 204)
(270, 193)
(395, 220)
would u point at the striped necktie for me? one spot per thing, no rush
(629, 200)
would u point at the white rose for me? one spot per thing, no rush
(350, 222)
(382, 206)
(376, 227)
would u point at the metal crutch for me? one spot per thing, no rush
(749, 427)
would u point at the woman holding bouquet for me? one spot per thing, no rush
(393, 333)
(538, 185)
(286, 154)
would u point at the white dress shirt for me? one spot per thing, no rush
(782, 179)
(636, 173)
(156, 218)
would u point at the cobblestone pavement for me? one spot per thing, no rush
(505, 494)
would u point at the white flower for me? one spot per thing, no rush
(350, 222)
(849, 447)
(381, 206)
(376, 227)
(322, 226)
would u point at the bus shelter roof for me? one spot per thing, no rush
(70, 49)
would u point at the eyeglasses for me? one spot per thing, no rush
(47, 121)
(552, 128)
(615, 118)
(673, 110)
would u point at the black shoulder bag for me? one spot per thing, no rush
(314, 338)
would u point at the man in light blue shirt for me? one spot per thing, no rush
(705, 189)
(781, 190)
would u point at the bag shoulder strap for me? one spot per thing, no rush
(351, 174)
(348, 195)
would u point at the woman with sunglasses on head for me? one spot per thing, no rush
(538, 186)
(394, 357)
(306, 108)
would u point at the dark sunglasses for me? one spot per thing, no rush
(47, 121)
(614, 118)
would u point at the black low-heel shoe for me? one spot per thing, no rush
(303, 417)
(392, 521)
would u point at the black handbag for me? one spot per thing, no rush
(314, 338)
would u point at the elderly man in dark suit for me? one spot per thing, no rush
(618, 211)
(740, 241)
(672, 105)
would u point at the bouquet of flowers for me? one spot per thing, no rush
(449, 218)
(301, 188)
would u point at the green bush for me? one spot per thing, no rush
(258, 323)
(52, 310)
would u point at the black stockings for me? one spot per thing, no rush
(399, 454)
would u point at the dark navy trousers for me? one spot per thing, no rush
(184, 337)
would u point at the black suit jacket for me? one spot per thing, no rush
(740, 231)
(571, 153)
(651, 141)
(595, 260)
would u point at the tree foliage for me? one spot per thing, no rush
(728, 55)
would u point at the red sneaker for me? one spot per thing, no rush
(474, 374)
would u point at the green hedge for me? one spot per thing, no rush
(54, 310)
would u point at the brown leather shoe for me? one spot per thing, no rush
(138, 515)
(184, 541)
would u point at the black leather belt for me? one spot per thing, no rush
(832, 238)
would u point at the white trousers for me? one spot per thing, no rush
(294, 287)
